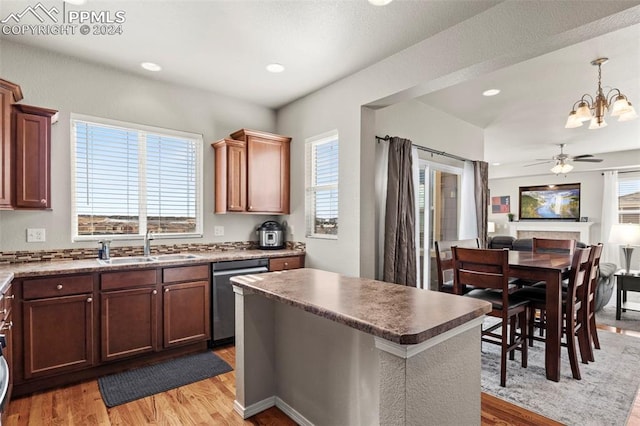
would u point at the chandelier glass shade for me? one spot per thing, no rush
(593, 109)
(561, 167)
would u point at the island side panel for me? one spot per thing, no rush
(255, 362)
(326, 371)
(443, 382)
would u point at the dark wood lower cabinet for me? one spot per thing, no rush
(78, 326)
(180, 329)
(58, 334)
(129, 322)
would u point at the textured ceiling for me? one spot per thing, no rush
(224, 46)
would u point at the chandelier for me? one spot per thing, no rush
(590, 109)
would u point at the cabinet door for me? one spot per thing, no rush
(32, 144)
(267, 175)
(6, 99)
(58, 335)
(129, 322)
(237, 179)
(186, 313)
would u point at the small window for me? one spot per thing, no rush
(322, 186)
(629, 199)
(128, 178)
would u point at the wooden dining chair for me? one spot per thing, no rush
(590, 314)
(574, 301)
(444, 261)
(487, 271)
(548, 245)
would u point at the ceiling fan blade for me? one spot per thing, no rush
(582, 156)
(535, 164)
(588, 160)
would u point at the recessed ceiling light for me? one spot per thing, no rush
(495, 164)
(76, 2)
(380, 2)
(150, 66)
(491, 92)
(275, 67)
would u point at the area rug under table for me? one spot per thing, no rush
(604, 396)
(141, 382)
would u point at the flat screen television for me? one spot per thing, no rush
(550, 202)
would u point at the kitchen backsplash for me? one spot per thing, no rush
(7, 257)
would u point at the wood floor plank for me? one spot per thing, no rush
(206, 402)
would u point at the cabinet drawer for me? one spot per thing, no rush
(127, 279)
(186, 273)
(284, 263)
(57, 286)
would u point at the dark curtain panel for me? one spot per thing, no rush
(481, 175)
(399, 240)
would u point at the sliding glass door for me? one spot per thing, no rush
(439, 214)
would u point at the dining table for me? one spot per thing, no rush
(551, 268)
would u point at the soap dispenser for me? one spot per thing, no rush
(103, 252)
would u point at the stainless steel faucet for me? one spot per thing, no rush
(147, 243)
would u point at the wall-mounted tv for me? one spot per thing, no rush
(550, 202)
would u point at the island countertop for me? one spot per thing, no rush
(400, 314)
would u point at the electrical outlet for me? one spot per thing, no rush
(218, 231)
(36, 235)
(291, 233)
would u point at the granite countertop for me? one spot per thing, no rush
(404, 315)
(32, 269)
(5, 280)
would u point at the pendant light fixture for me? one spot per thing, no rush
(593, 109)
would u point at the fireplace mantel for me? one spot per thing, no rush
(546, 228)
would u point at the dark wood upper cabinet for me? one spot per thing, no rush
(10, 93)
(25, 151)
(252, 173)
(32, 139)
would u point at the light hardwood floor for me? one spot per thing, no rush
(208, 402)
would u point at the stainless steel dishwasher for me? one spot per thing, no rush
(223, 306)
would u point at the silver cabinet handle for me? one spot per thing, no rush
(166, 290)
(13, 296)
(43, 201)
(89, 299)
(154, 292)
(59, 286)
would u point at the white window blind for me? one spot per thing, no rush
(128, 179)
(322, 155)
(629, 198)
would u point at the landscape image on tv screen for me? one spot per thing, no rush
(560, 202)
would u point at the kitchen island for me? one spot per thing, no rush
(329, 349)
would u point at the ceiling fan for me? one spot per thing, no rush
(562, 161)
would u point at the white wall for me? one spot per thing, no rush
(503, 35)
(430, 127)
(69, 85)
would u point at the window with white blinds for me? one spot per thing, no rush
(629, 198)
(129, 178)
(322, 186)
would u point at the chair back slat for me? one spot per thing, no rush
(578, 275)
(548, 245)
(480, 268)
(444, 260)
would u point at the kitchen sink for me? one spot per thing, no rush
(147, 259)
(126, 260)
(177, 256)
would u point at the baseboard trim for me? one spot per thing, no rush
(292, 413)
(254, 409)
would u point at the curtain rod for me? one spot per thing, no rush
(424, 148)
(624, 171)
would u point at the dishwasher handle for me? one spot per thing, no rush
(243, 271)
